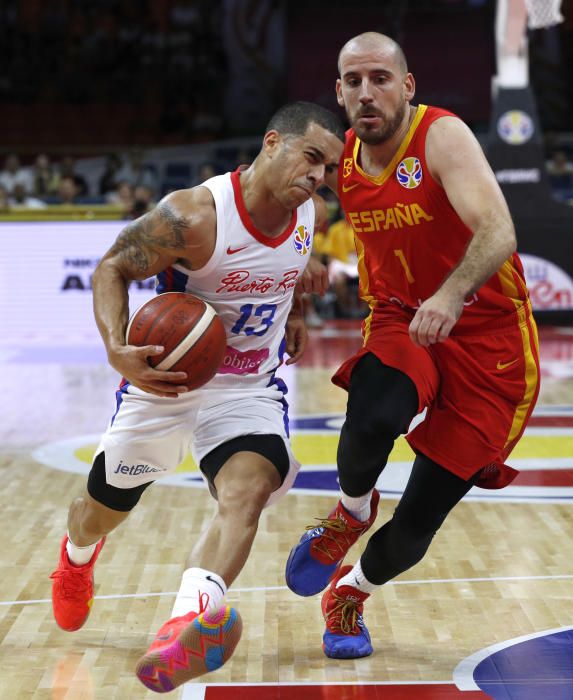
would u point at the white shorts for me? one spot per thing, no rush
(149, 436)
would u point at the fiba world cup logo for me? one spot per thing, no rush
(515, 127)
(302, 240)
(409, 173)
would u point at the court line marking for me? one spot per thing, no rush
(463, 675)
(257, 589)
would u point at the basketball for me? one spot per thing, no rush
(188, 328)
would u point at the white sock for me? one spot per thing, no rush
(200, 588)
(357, 579)
(358, 507)
(79, 556)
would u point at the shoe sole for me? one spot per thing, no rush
(77, 625)
(308, 583)
(347, 653)
(203, 646)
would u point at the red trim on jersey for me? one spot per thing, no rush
(249, 225)
(168, 278)
(545, 477)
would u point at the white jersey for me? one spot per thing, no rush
(249, 281)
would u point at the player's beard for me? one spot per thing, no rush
(373, 137)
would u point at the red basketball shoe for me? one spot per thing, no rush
(189, 646)
(73, 589)
(346, 635)
(314, 560)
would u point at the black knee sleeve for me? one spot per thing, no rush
(117, 499)
(381, 404)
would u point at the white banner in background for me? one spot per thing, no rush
(45, 279)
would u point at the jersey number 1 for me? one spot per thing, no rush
(399, 253)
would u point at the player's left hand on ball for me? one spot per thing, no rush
(314, 279)
(296, 338)
(131, 362)
(434, 320)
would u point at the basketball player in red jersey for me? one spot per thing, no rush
(241, 241)
(450, 330)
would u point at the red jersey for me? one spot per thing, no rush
(409, 237)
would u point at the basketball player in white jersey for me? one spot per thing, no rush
(241, 241)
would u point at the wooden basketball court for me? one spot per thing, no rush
(501, 567)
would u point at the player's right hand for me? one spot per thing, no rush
(296, 338)
(131, 362)
(435, 318)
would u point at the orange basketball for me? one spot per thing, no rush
(188, 328)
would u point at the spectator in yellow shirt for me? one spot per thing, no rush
(339, 248)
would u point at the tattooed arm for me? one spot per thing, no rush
(181, 227)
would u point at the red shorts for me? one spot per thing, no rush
(479, 390)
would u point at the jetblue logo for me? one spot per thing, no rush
(134, 469)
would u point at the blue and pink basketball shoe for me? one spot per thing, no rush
(189, 646)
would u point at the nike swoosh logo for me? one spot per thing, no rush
(347, 188)
(212, 579)
(503, 365)
(232, 251)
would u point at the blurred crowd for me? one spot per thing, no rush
(134, 183)
(560, 173)
(129, 185)
(126, 181)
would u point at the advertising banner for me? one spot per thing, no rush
(45, 279)
(544, 226)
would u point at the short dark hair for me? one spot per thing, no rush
(295, 118)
